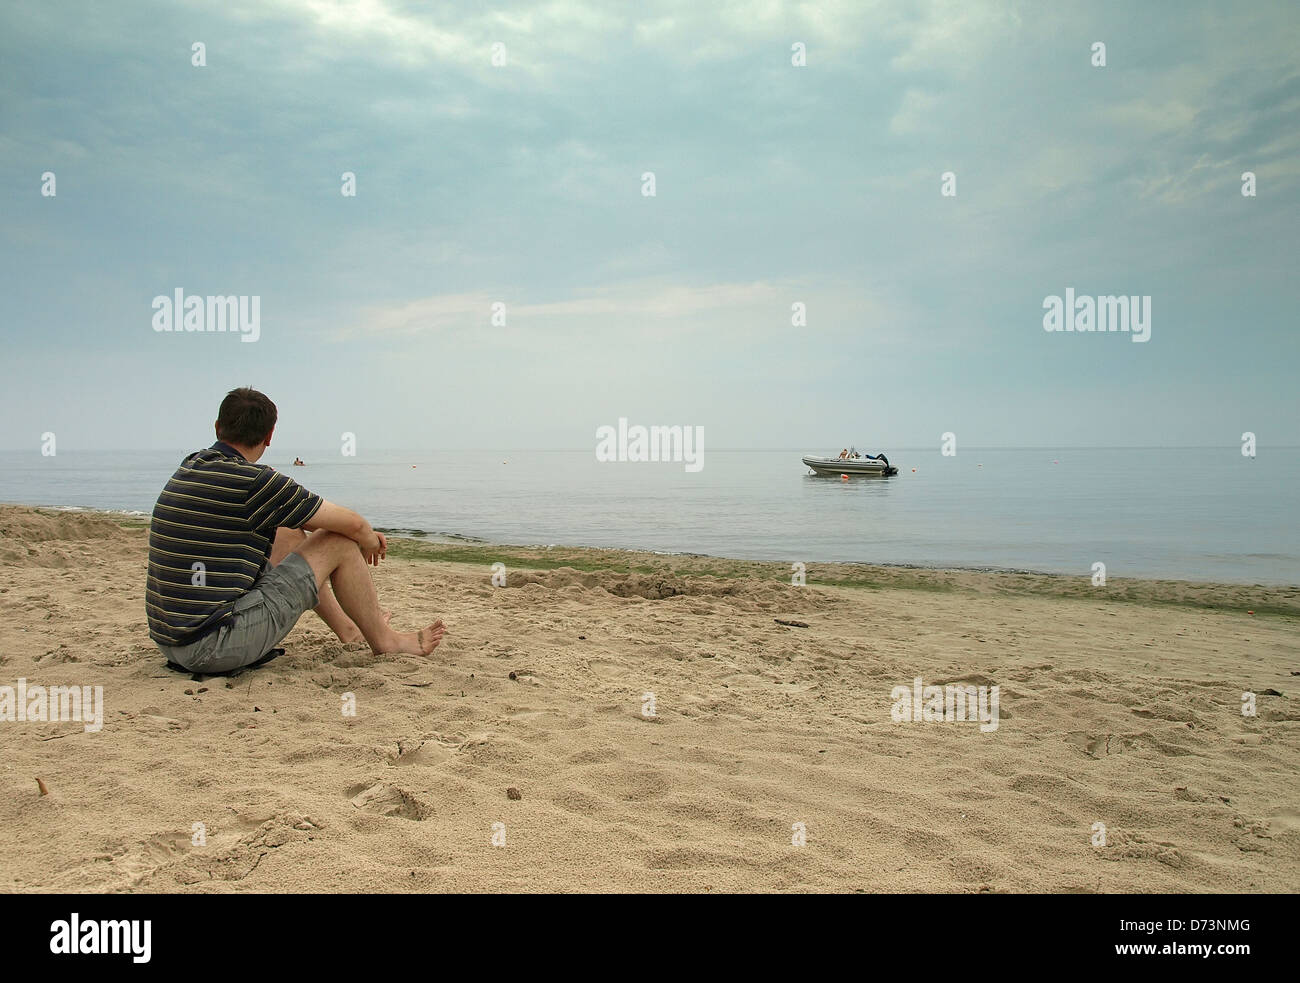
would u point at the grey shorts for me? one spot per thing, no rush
(262, 617)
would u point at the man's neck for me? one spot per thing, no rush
(249, 454)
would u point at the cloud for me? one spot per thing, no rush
(746, 310)
(916, 113)
(539, 40)
(629, 300)
(950, 36)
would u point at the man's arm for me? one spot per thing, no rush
(337, 518)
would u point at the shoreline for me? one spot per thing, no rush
(1258, 599)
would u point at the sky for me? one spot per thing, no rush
(500, 153)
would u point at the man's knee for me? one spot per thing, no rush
(326, 544)
(286, 541)
(333, 540)
(325, 552)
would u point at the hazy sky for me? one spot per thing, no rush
(775, 184)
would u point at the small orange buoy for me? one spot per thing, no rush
(1250, 612)
(844, 477)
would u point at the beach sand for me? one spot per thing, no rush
(1118, 705)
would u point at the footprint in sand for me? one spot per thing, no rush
(162, 847)
(422, 753)
(387, 800)
(151, 719)
(604, 668)
(147, 856)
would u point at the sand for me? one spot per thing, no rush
(1119, 706)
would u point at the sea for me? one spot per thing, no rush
(1198, 514)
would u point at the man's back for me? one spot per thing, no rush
(211, 537)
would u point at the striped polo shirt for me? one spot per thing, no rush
(211, 537)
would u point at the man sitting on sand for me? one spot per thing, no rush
(230, 569)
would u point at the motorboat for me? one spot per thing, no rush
(877, 465)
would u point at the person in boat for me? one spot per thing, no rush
(232, 566)
(298, 462)
(844, 455)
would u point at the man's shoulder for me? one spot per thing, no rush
(214, 460)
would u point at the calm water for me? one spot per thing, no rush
(1183, 514)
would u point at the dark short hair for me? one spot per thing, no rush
(246, 417)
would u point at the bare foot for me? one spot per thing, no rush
(420, 642)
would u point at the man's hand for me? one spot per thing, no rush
(375, 548)
(335, 518)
